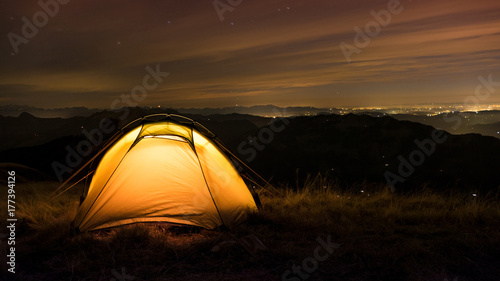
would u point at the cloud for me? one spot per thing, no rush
(263, 52)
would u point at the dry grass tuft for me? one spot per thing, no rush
(383, 236)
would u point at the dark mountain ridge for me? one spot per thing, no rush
(347, 148)
(359, 148)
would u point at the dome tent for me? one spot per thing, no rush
(168, 168)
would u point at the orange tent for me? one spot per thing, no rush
(165, 170)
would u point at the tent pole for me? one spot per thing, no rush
(246, 166)
(71, 186)
(110, 141)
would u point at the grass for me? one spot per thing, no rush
(382, 236)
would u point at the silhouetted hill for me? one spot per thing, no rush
(16, 110)
(261, 110)
(23, 173)
(38, 142)
(349, 148)
(486, 123)
(27, 130)
(492, 129)
(230, 127)
(356, 148)
(41, 157)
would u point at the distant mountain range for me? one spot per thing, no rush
(16, 110)
(259, 110)
(486, 123)
(356, 148)
(27, 130)
(483, 122)
(350, 149)
(263, 110)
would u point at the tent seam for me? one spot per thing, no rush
(205, 179)
(121, 160)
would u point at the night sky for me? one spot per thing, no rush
(287, 53)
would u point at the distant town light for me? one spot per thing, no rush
(474, 194)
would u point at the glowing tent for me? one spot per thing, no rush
(164, 170)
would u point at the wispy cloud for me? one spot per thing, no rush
(286, 53)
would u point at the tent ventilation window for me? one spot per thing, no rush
(169, 137)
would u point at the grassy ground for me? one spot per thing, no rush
(382, 236)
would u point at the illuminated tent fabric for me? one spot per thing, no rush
(164, 171)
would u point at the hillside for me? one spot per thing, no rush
(375, 236)
(437, 231)
(350, 149)
(359, 148)
(27, 130)
(486, 123)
